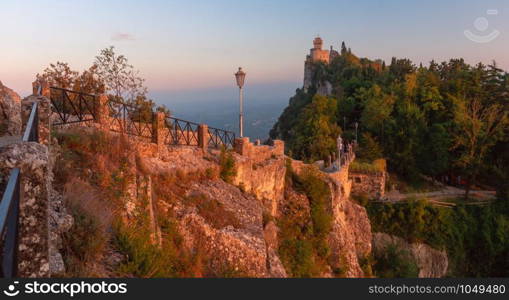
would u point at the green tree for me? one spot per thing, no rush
(369, 149)
(119, 77)
(317, 130)
(377, 108)
(478, 128)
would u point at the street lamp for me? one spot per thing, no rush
(240, 76)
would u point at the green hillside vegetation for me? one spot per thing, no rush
(448, 118)
(475, 237)
(444, 120)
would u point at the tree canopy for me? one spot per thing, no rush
(447, 119)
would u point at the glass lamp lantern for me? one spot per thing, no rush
(240, 76)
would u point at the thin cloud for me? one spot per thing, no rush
(122, 36)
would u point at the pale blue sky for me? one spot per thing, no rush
(186, 45)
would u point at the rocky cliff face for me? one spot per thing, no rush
(246, 238)
(234, 227)
(215, 219)
(10, 112)
(432, 263)
(350, 237)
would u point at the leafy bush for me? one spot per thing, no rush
(304, 248)
(210, 173)
(475, 237)
(394, 262)
(376, 166)
(369, 149)
(227, 165)
(361, 198)
(143, 257)
(85, 242)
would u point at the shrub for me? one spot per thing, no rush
(361, 198)
(227, 165)
(394, 262)
(304, 248)
(367, 263)
(210, 173)
(376, 166)
(318, 193)
(470, 234)
(297, 255)
(87, 239)
(143, 258)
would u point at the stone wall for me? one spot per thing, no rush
(32, 159)
(370, 184)
(261, 171)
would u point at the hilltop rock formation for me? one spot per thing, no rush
(232, 226)
(10, 112)
(236, 240)
(92, 184)
(432, 263)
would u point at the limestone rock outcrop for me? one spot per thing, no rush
(233, 227)
(432, 263)
(264, 178)
(240, 246)
(10, 112)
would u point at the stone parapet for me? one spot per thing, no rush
(203, 136)
(259, 152)
(369, 184)
(102, 112)
(33, 250)
(41, 87)
(158, 126)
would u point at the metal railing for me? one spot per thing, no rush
(9, 220)
(9, 206)
(72, 106)
(131, 119)
(32, 130)
(220, 137)
(181, 132)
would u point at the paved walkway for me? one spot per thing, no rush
(7, 140)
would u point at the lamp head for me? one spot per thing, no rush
(240, 77)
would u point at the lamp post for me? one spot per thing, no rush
(240, 76)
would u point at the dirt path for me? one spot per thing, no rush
(482, 196)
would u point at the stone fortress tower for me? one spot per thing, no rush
(317, 54)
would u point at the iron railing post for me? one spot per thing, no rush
(9, 222)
